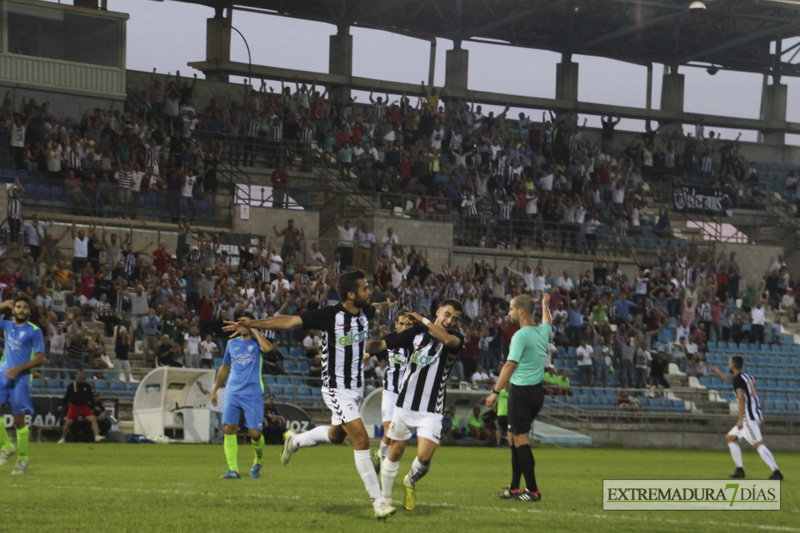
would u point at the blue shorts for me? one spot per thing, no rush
(251, 405)
(18, 390)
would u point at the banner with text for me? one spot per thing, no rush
(691, 495)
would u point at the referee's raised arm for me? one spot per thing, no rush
(524, 319)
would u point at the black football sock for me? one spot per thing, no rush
(527, 464)
(515, 471)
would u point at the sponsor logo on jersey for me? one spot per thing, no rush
(353, 337)
(418, 359)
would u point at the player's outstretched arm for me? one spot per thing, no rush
(716, 372)
(375, 346)
(222, 375)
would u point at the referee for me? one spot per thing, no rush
(525, 370)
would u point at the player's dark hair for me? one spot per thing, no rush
(348, 282)
(524, 303)
(452, 302)
(22, 299)
(401, 313)
(247, 315)
(738, 362)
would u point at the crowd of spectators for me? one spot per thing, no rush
(444, 155)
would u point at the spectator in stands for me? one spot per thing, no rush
(151, 331)
(280, 180)
(168, 353)
(346, 241)
(659, 367)
(315, 371)
(79, 399)
(291, 237)
(123, 345)
(476, 425)
(480, 379)
(191, 347)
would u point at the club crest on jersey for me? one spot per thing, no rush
(353, 337)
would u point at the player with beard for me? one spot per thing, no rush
(345, 331)
(24, 350)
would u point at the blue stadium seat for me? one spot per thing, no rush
(117, 386)
(133, 387)
(316, 393)
(284, 351)
(304, 393)
(270, 381)
(290, 367)
(54, 384)
(284, 381)
(295, 352)
(302, 368)
(101, 385)
(39, 384)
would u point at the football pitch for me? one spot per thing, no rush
(127, 487)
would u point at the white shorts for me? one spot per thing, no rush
(751, 432)
(406, 421)
(388, 401)
(345, 404)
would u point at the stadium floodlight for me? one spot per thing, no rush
(697, 5)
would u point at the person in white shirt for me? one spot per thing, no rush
(758, 320)
(207, 350)
(80, 249)
(314, 260)
(389, 240)
(565, 282)
(366, 239)
(187, 195)
(585, 354)
(191, 347)
(312, 344)
(136, 188)
(480, 379)
(347, 236)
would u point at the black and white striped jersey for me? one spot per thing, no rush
(394, 372)
(344, 338)
(427, 368)
(746, 383)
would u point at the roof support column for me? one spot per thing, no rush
(340, 61)
(773, 109)
(567, 80)
(672, 91)
(457, 71)
(218, 43)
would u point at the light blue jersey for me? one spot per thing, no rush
(245, 360)
(23, 342)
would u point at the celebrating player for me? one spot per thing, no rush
(748, 423)
(433, 349)
(24, 350)
(391, 386)
(525, 370)
(345, 331)
(244, 394)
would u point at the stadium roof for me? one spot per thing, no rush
(727, 34)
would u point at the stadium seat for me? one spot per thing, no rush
(54, 384)
(39, 384)
(132, 387)
(117, 386)
(304, 393)
(284, 381)
(316, 393)
(101, 385)
(295, 352)
(289, 367)
(302, 368)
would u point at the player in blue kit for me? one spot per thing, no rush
(24, 350)
(244, 394)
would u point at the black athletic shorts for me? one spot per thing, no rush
(501, 423)
(524, 403)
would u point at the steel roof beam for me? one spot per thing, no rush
(744, 39)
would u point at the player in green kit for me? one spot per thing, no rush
(244, 394)
(524, 368)
(24, 350)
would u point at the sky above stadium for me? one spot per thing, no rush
(168, 35)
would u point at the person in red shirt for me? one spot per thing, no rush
(162, 259)
(279, 180)
(509, 328)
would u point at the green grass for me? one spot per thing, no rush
(143, 488)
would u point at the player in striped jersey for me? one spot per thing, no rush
(345, 331)
(749, 421)
(433, 348)
(391, 386)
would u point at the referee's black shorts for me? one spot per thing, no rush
(524, 403)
